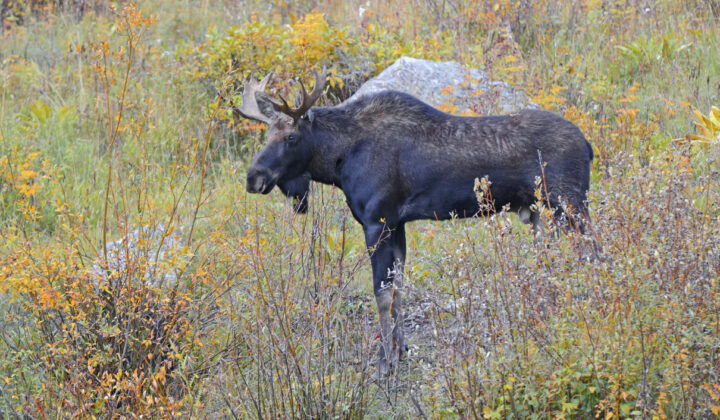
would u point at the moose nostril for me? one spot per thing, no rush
(255, 180)
(258, 184)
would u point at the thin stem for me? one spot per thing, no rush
(112, 133)
(204, 170)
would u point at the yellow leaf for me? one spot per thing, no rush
(714, 116)
(27, 174)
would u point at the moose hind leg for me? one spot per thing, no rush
(536, 221)
(531, 217)
(590, 247)
(576, 219)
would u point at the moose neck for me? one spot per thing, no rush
(331, 140)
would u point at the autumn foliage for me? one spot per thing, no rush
(138, 278)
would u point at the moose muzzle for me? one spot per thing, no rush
(259, 181)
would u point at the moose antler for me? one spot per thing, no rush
(249, 107)
(307, 100)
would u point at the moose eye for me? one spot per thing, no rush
(292, 138)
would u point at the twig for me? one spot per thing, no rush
(417, 405)
(204, 170)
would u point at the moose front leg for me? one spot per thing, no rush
(387, 253)
(397, 237)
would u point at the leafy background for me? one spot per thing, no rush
(111, 120)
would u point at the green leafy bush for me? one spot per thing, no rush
(259, 47)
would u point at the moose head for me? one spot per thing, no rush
(283, 160)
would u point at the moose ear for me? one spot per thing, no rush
(265, 105)
(309, 116)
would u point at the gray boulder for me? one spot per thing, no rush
(448, 85)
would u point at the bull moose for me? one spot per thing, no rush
(397, 159)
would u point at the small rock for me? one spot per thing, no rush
(140, 248)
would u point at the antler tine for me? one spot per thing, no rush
(320, 81)
(263, 83)
(249, 107)
(303, 92)
(285, 108)
(307, 100)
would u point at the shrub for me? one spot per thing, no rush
(17, 12)
(259, 47)
(85, 345)
(88, 331)
(301, 340)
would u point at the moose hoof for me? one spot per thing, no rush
(401, 348)
(383, 369)
(385, 364)
(402, 354)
